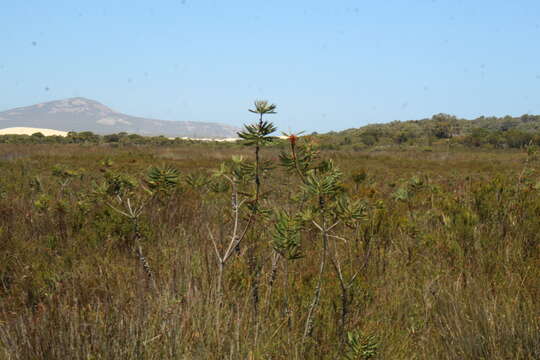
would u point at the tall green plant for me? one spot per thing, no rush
(238, 173)
(325, 206)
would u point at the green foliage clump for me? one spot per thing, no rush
(162, 179)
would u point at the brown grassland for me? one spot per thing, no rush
(432, 254)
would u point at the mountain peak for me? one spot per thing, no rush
(75, 105)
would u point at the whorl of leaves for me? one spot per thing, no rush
(304, 157)
(263, 107)
(350, 211)
(324, 183)
(286, 236)
(219, 186)
(407, 191)
(36, 184)
(257, 133)
(117, 184)
(162, 179)
(361, 347)
(197, 181)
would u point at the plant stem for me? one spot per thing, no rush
(316, 297)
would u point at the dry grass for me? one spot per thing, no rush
(452, 274)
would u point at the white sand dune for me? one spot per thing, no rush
(209, 139)
(221, 139)
(30, 131)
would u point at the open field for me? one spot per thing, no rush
(431, 255)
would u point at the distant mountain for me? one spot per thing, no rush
(80, 114)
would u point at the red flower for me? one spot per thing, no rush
(293, 138)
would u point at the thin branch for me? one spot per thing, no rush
(215, 244)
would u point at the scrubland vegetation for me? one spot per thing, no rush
(266, 250)
(486, 132)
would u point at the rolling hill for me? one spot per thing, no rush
(497, 131)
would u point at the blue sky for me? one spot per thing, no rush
(329, 65)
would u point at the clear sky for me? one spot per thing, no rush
(329, 65)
